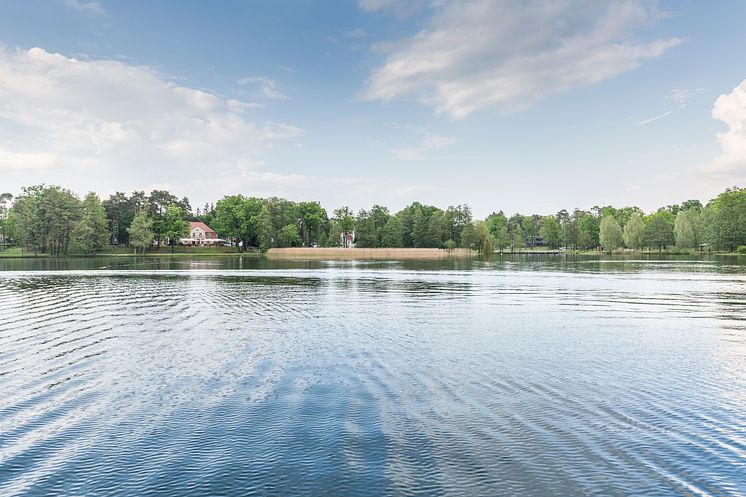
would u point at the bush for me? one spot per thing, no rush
(741, 249)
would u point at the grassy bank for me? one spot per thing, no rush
(367, 253)
(181, 251)
(622, 252)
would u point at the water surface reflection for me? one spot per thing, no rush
(510, 376)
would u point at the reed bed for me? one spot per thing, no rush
(366, 253)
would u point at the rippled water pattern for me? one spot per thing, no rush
(351, 379)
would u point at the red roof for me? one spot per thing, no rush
(200, 225)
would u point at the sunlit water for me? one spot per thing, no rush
(247, 377)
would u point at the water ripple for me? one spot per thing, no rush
(358, 379)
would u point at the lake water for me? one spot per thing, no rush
(252, 377)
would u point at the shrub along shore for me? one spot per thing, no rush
(53, 221)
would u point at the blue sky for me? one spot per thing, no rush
(521, 106)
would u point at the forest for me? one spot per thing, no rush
(55, 221)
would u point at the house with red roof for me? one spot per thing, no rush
(201, 234)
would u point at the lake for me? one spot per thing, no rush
(242, 376)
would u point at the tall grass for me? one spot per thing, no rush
(366, 253)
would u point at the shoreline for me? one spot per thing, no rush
(340, 253)
(163, 254)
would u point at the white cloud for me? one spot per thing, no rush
(429, 142)
(707, 179)
(105, 124)
(25, 161)
(92, 7)
(356, 33)
(498, 53)
(731, 109)
(682, 95)
(400, 8)
(268, 88)
(240, 106)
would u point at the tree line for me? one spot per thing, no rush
(53, 220)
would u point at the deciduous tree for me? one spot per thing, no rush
(91, 231)
(141, 232)
(634, 232)
(610, 234)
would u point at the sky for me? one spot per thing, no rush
(528, 107)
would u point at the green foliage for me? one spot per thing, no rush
(174, 226)
(530, 226)
(288, 236)
(281, 213)
(610, 233)
(140, 232)
(515, 231)
(370, 227)
(659, 229)
(5, 199)
(477, 236)
(261, 225)
(44, 218)
(695, 205)
(497, 224)
(158, 202)
(428, 226)
(120, 211)
(624, 214)
(206, 214)
(229, 217)
(365, 232)
(313, 223)
(449, 245)
(634, 232)
(486, 241)
(687, 228)
(48, 219)
(551, 231)
(588, 230)
(392, 233)
(435, 230)
(502, 237)
(741, 249)
(725, 220)
(245, 220)
(470, 237)
(344, 223)
(91, 231)
(455, 219)
(568, 229)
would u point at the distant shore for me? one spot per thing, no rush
(340, 253)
